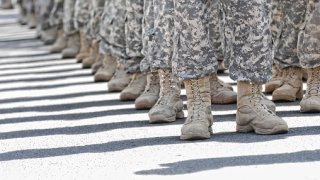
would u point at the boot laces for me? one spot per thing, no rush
(151, 87)
(166, 88)
(255, 100)
(314, 83)
(198, 103)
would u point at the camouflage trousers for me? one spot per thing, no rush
(81, 13)
(112, 30)
(147, 35)
(93, 27)
(288, 20)
(309, 38)
(121, 31)
(247, 39)
(56, 14)
(22, 8)
(69, 15)
(133, 33)
(44, 8)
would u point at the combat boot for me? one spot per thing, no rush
(135, 87)
(276, 81)
(6, 5)
(89, 61)
(73, 46)
(97, 64)
(85, 48)
(151, 93)
(199, 121)
(221, 93)
(311, 100)
(253, 115)
(107, 70)
(49, 36)
(60, 43)
(32, 20)
(267, 102)
(291, 88)
(121, 78)
(169, 105)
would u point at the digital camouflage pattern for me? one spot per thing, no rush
(43, 10)
(247, 40)
(133, 32)
(147, 35)
(82, 13)
(194, 56)
(112, 30)
(68, 17)
(161, 48)
(56, 14)
(292, 17)
(309, 39)
(93, 26)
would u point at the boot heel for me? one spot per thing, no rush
(244, 129)
(300, 93)
(180, 114)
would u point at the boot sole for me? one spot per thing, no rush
(312, 109)
(284, 97)
(280, 129)
(162, 119)
(193, 136)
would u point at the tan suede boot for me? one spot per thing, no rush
(221, 93)
(32, 20)
(121, 78)
(267, 102)
(6, 4)
(253, 115)
(97, 64)
(311, 100)
(73, 46)
(85, 48)
(135, 87)
(60, 43)
(199, 121)
(169, 105)
(108, 69)
(89, 61)
(291, 88)
(151, 93)
(276, 81)
(49, 36)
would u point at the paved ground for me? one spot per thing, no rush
(55, 123)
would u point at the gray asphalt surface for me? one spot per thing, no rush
(56, 123)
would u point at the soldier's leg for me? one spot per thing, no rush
(6, 4)
(169, 105)
(285, 54)
(133, 30)
(22, 13)
(107, 69)
(70, 31)
(309, 54)
(151, 93)
(249, 47)
(31, 16)
(114, 44)
(48, 33)
(82, 18)
(221, 93)
(56, 19)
